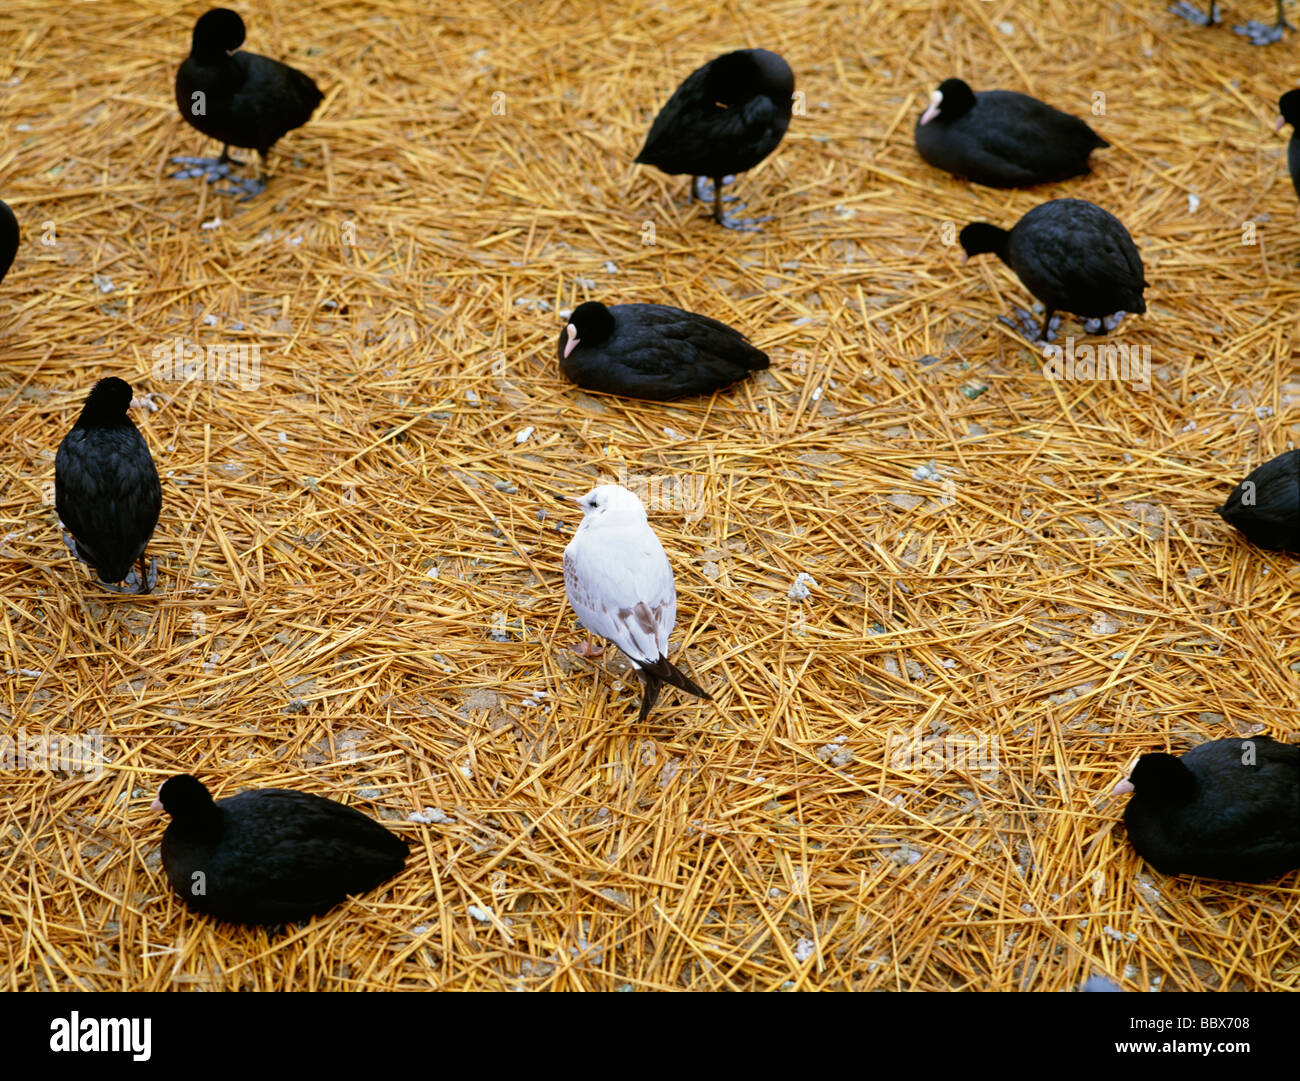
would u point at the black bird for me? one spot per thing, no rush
(653, 351)
(8, 238)
(270, 856)
(1266, 505)
(1073, 256)
(106, 489)
(725, 118)
(1226, 809)
(238, 98)
(1288, 108)
(1001, 138)
(1259, 33)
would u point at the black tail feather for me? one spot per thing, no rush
(653, 685)
(654, 676)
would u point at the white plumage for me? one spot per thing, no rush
(620, 585)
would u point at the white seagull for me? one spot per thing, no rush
(620, 585)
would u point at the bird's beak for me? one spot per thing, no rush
(573, 341)
(1279, 124)
(1123, 788)
(964, 257)
(156, 805)
(932, 110)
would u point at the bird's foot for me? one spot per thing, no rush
(1259, 33)
(1027, 324)
(702, 189)
(741, 225)
(72, 546)
(136, 584)
(1185, 9)
(588, 648)
(1104, 325)
(209, 168)
(245, 189)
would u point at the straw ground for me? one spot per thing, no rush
(904, 780)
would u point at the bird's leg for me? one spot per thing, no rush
(225, 158)
(588, 648)
(703, 189)
(1048, 330)
(1028, 325)
(1185, 9)
(1261, 33)
(1104, 325)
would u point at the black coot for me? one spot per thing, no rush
(1002, 138)
(653, 351)
(106, 489)
(726, 117)
(271, 856)
(1266, 505)
(238, 98)
(1073, 256)
(8, 238)
(1288, 108)
(1226, 809)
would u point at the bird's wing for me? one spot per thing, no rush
(621, 586)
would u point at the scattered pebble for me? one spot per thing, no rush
(799, 590)
(430, 816)
(525, 435)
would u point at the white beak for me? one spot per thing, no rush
(156, 805)
(936, 99)
(1123, 788)
(572, 343)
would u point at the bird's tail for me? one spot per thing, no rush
(654, 676)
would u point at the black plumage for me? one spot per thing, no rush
(8, 238)
(1002, 138)
(1226, 809)
(1072, 255)
(653, 351)
(239, 98)
(1266, 505)
(658, 673)
(270, 856)
(726, 117)
(1288, 108)
(106, 488)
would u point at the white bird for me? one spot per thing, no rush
(620, 585)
